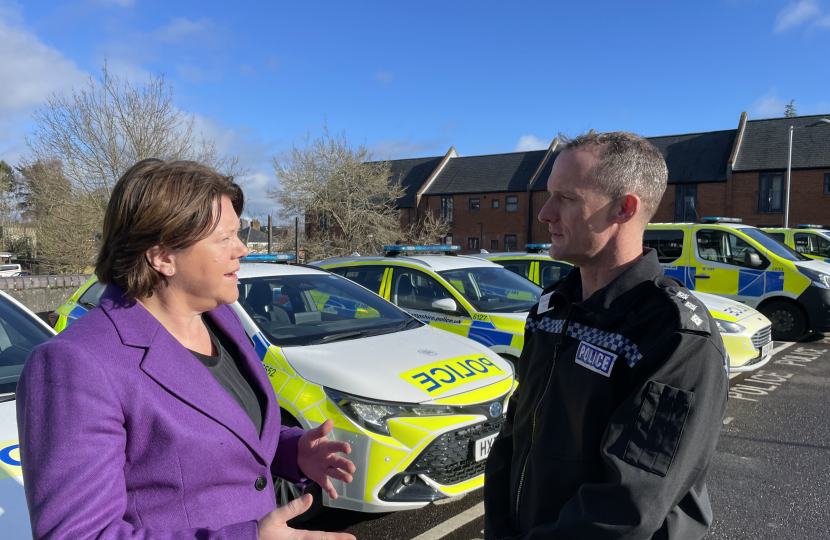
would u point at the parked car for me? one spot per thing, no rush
(534, 264)
(20, 331)
(812, 241)
(419, 407)
(724, 257)
(461, 294)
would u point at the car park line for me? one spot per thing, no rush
(443, 529)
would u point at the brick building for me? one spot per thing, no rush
(492, 201)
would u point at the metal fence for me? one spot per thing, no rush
(43, 282)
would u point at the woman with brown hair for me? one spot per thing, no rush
(151, 416)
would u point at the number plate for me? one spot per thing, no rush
(481, 447)
(766, 349)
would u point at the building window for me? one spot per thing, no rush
(495, 202)
(685, 203)
(827, 184)
(509, 241)
(511, 203)
(447, 213)
(472, 243)
(475, 204)
(494, 245)
(771, 193)
(448, 239)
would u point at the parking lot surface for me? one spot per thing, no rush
(770, 477)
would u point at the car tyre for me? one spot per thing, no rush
(287, 492)
(788, 321)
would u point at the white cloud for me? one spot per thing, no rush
(385, 76)
(181, 28)
(797, 14)
(531, 142)
(31, 70)
(769, 105)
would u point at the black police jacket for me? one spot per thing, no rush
(614, 424)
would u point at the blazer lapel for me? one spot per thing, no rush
(176, 369)
(227, 321)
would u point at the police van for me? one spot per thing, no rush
(534, 264)
(419, 407)
(812, 241)
(724, 257)
(461, 294)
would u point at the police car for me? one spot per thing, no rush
(461, 294)
(724, 257)
(419, 407)
(534, 264)
(20, 331)
(84, 299)
(746, 333)
(812, 241)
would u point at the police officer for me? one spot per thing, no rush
(624, 375)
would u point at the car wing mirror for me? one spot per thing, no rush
(754, 260)
(446, 305)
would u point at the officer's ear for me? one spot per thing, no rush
(626, 208)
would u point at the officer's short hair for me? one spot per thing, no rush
(628, 164)
(174, 204)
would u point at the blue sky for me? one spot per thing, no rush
(414, 79)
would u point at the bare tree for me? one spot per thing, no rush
(94, 135)
(348, 202)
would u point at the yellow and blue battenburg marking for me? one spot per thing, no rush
(441, 377)
(750, 282)
(10, 460)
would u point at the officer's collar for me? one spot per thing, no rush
(617, 297)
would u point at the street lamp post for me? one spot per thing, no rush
(819, 122)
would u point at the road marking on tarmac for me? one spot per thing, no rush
(445, 528)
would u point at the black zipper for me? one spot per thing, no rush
(536, 410)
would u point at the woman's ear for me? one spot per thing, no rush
(162, 260)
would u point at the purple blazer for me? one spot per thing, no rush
(125, 434)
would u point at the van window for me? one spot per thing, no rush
(727, 248)
(771, 244)
(370, 277)
(667, 243)
(781, 237)
(812, 244)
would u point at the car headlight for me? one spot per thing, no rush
(374, 415)
(727, 327)
(819, 279)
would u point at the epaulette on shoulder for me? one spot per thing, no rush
(692, 315)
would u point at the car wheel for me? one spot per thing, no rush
(287, 492)
(788, 321)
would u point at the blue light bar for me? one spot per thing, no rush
(722, 219)
(422, 248)
(537, 246)
(268, 257)
(809, 226)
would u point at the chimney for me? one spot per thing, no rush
(255, 224)
(243, 223)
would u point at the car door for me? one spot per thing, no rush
(417, 292)
(723, 264)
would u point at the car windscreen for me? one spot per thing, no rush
(92, 295)
(19, 334)
(310, 309)
(772, 245)
(494, 289)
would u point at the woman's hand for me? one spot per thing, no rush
(316, 458)
(273, 525)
